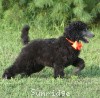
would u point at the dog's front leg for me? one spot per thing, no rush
(79, 64)
(58, 71)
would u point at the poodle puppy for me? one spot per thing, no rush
(57, 53)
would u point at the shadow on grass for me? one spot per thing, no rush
(91, 71)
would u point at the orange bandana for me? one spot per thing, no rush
(76, 45)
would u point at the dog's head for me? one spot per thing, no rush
(78, 31)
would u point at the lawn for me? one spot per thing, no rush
(42, 84)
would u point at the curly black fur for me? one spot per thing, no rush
(56, 53)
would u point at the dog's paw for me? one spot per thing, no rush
(6, 75)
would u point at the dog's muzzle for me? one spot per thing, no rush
(86, 35)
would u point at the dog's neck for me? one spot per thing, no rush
(76, 45)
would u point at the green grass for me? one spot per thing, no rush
(86, 85)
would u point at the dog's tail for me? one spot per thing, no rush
(24, 34)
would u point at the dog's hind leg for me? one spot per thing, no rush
(26, 70)
(34, 69)
(9, 72)
(21, 65)
(79, 64)
(13, 70)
